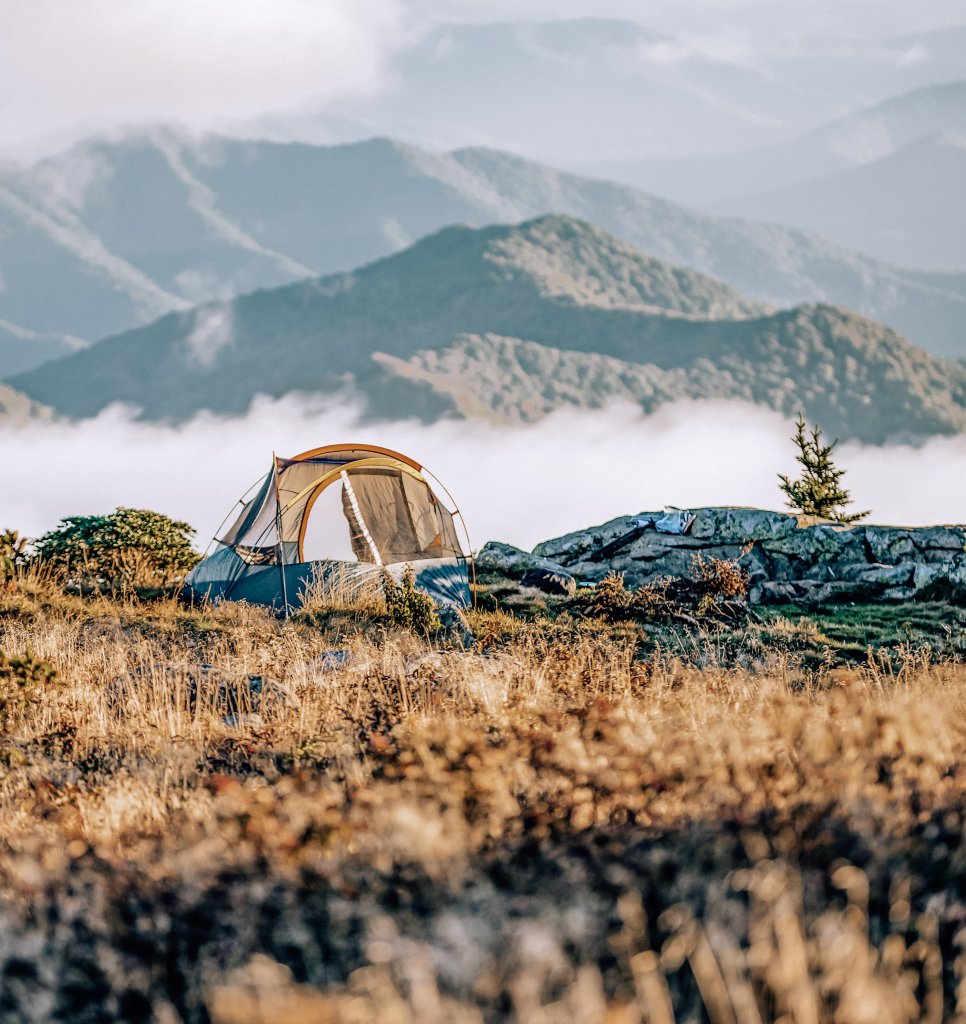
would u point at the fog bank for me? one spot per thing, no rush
(521, 485)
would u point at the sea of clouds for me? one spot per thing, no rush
(520, 485)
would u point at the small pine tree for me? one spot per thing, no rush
(818, 492)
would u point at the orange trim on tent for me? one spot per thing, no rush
(375, 449)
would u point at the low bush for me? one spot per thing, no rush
(408, 606)
(716, 589)
(129, 550)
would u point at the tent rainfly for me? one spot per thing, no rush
(343, 514)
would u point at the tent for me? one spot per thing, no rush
(340, 515)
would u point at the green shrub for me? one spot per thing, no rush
(22, 681)
(129, 549)
(409, 607)
(12, 554)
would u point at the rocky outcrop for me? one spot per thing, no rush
(788, 558)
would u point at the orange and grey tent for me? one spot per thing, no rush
(346, 512)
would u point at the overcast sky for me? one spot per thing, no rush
(68, 67)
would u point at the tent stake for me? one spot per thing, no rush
(279, 549)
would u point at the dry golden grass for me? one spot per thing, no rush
(541, 830)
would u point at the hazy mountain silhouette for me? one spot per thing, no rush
(515, 320)
(117, 231)
(862, 137)
(576, 89)
(907, 207)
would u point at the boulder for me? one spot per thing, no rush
(514, 562)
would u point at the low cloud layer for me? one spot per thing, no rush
(520, 485)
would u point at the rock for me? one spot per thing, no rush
(787, 557)
(774, 593)
(940, 539)
(513, 562)
(335, 659)
(739, 525)
(559, 582)
(329, 667)
(890, 546)
(924, 575)
(888, 575)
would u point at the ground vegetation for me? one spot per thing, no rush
(209, 814)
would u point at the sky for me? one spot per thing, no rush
(69, 68)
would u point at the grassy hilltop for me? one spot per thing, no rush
(587, 817)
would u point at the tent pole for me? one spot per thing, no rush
(279, 550)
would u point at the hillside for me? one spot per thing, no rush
(120, 230)
(568, 300)
(21, 349)
(906, 207)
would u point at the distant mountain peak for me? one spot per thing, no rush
(568, 259)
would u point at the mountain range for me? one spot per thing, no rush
(572, 90)
(862, 136)
(509, 322)
(525, 85)
(906, 207)
(120, 230)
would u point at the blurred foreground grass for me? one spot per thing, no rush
(564, 824)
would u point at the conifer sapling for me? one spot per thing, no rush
(818, 491)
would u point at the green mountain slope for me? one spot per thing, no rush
(118, 231)
(21, 349)
(394, 332)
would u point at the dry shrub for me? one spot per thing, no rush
(716, 590)
(719, 578)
